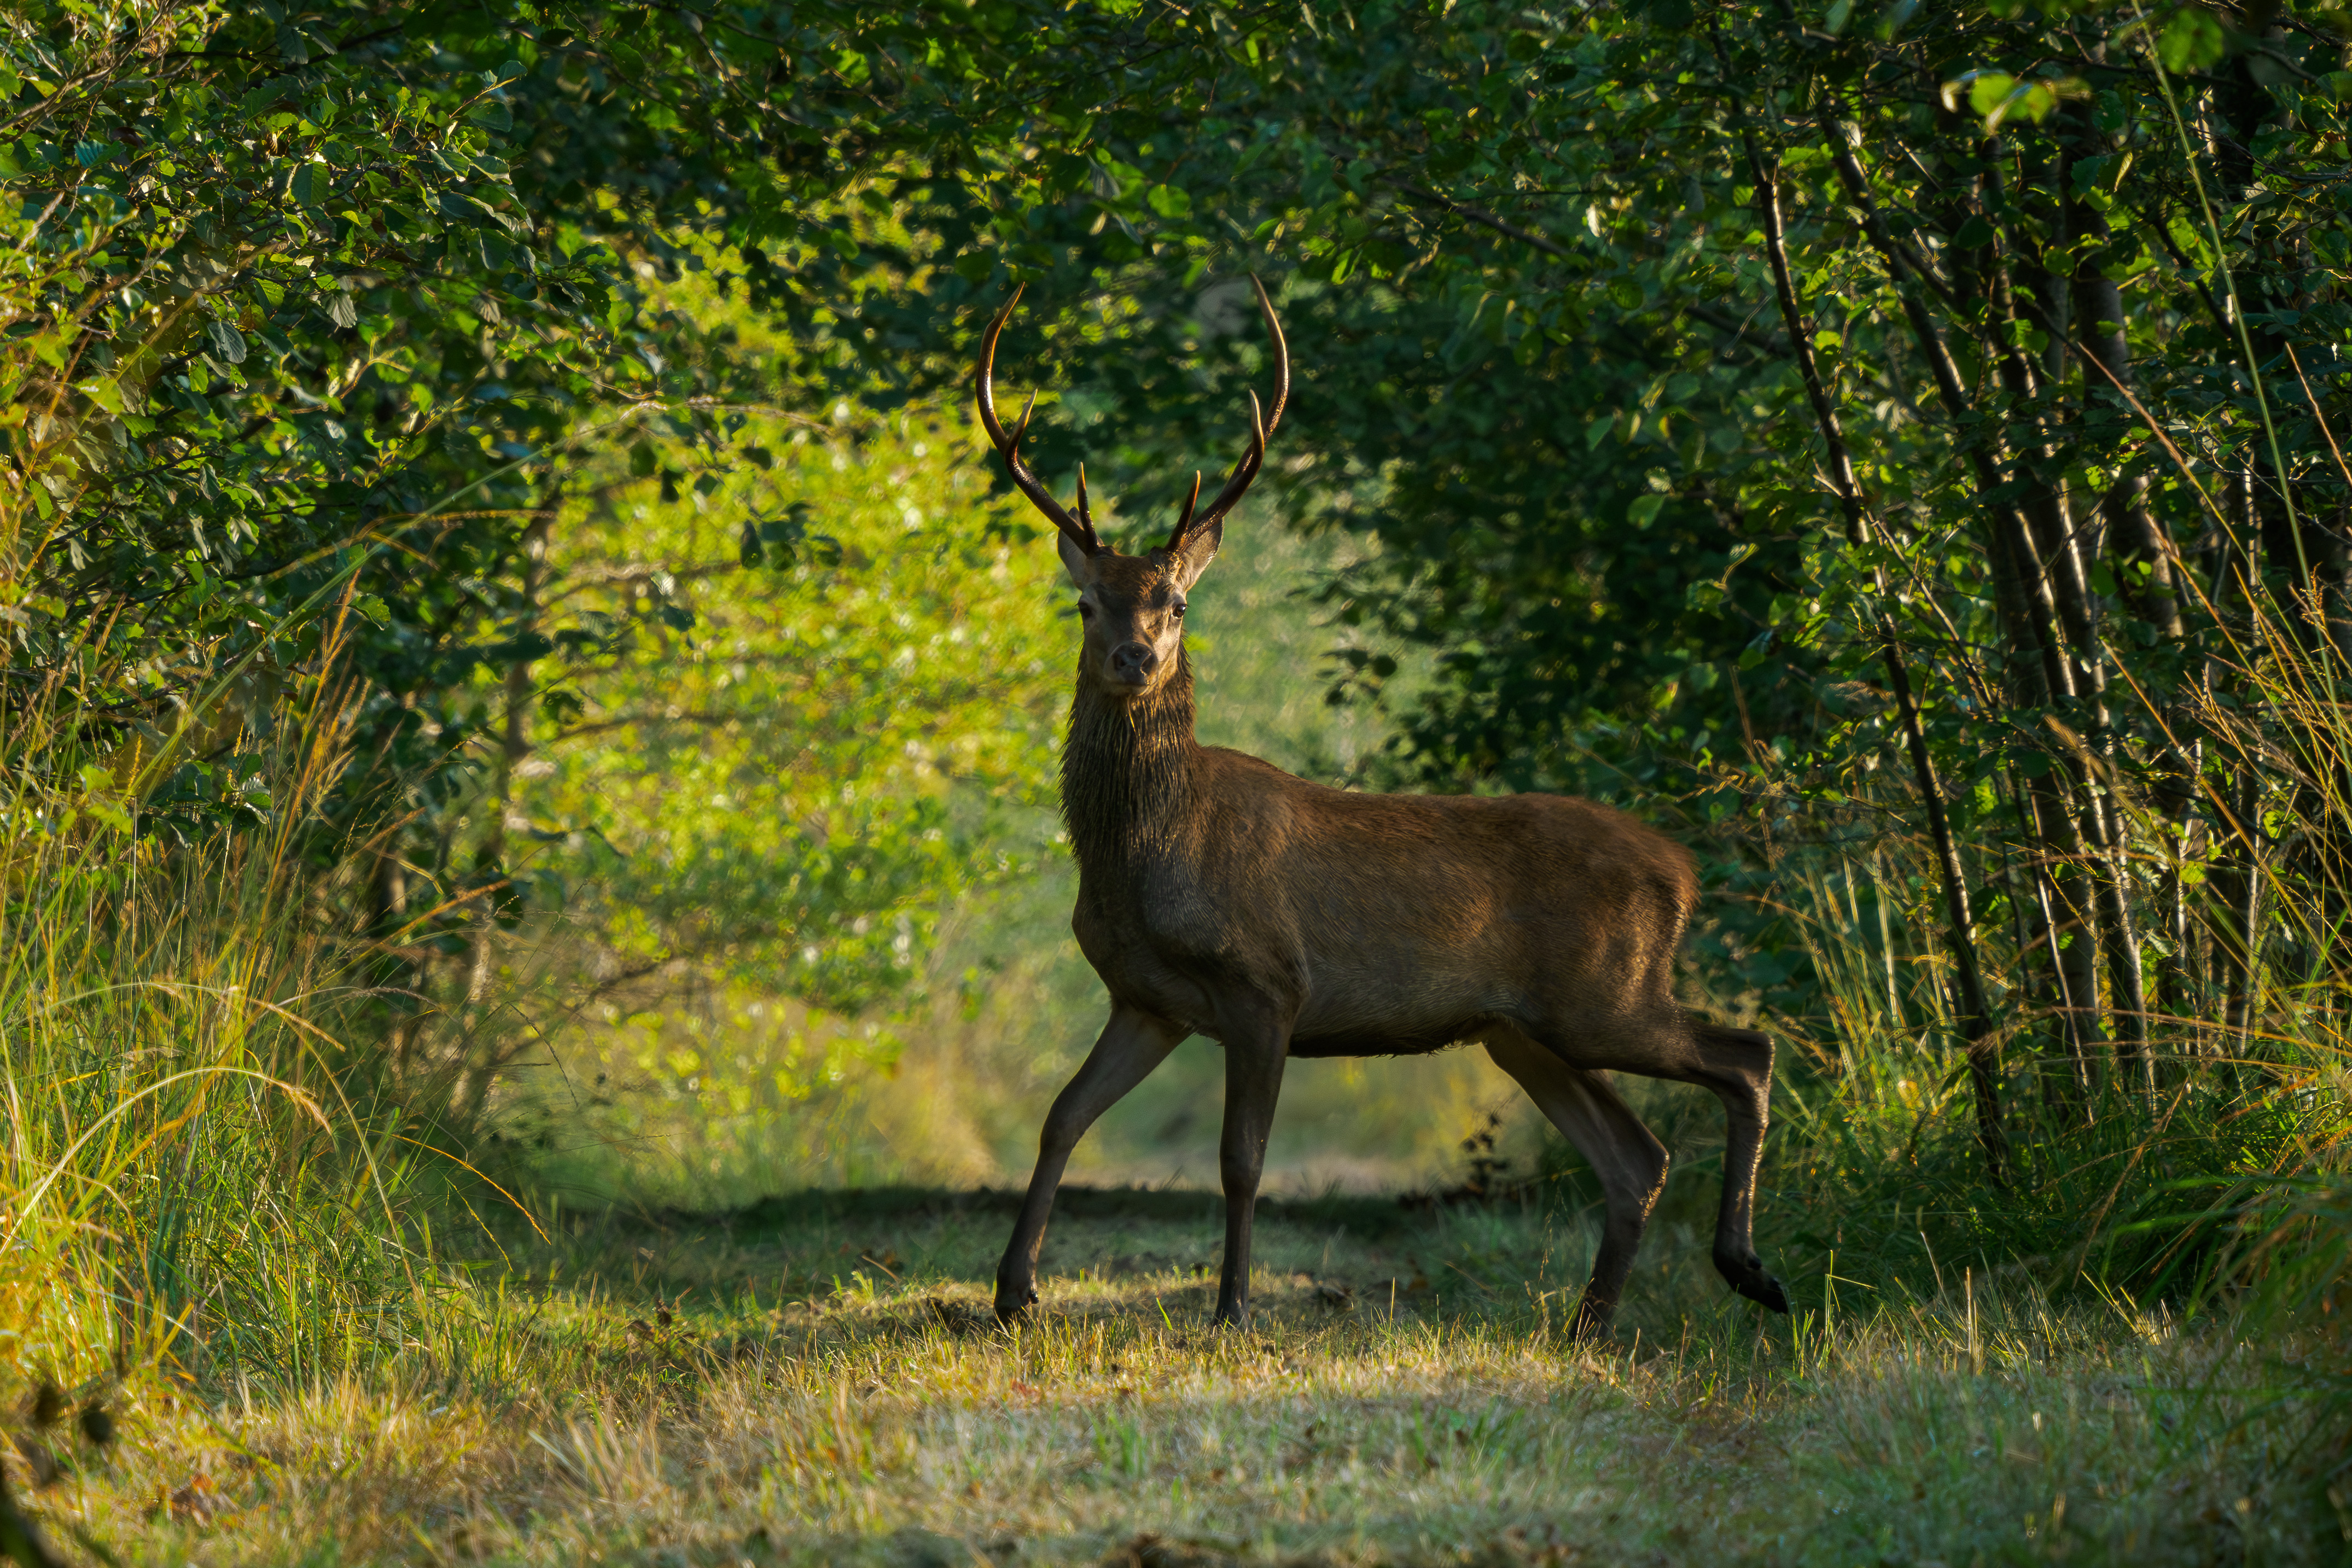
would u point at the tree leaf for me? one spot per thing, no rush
(2193, 41)
(228, 343)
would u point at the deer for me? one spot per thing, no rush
(1221, 896)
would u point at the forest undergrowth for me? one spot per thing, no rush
(313, 1334)
(816, 1380)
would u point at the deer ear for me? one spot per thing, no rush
(1198, 551)
(1074, 560)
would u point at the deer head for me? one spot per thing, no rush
(1132, 606)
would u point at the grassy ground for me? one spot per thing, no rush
(814, 1380)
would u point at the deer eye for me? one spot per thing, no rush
(1177, 610)
(1086, 611)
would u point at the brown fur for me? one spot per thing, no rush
(1219, 895)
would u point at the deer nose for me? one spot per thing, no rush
(1132, 662)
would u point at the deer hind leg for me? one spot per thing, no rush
(1737, 1064)
(1131, 1045)
(1627, 1157)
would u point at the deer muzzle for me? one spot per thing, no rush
(1132, 663)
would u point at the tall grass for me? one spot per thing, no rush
(2221, 1183)
(205, 1166)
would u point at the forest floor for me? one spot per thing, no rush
(816, 1379)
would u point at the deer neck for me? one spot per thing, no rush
(1126, 770)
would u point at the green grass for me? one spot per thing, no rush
(829, 1389)
(197, 1167)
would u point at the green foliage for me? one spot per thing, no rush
(1901, 452)
(311, 309)
(266, 295)
(310, 318)
(776, 767)
(780, 793)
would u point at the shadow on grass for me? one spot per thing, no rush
(1372, 1218)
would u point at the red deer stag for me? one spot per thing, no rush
(1219, 895)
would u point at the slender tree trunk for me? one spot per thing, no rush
(2056, 595)
(2238, 932)
(514, 746)
(2058, 964)
(2234, 899)
(2143, 557)
(1982, 1044)
(2062, 905)
(2059, 557)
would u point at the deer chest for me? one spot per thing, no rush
(1170, 953)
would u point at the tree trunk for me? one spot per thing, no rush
(2143, 553)
(2105, 920)
(490, 863)
(2234, 900)
(1982, 1044)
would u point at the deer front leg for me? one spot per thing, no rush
(1131, 1045)
(1254, 1059)
(1737, 1064)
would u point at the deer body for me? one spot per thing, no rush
(1380, 925)
(1221, 896)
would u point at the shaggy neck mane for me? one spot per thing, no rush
(1127, 768)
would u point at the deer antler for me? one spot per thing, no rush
(1261, 426)
(1079, 529)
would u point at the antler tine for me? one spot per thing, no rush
(1080, 531)
(1086, 516)
(1184, 518)
(985, 383)
(1237, 482)
(1245, 471)
(1281, 355)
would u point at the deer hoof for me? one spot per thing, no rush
(1012, 1306)
(1764, 1289)
(1747, 1277)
